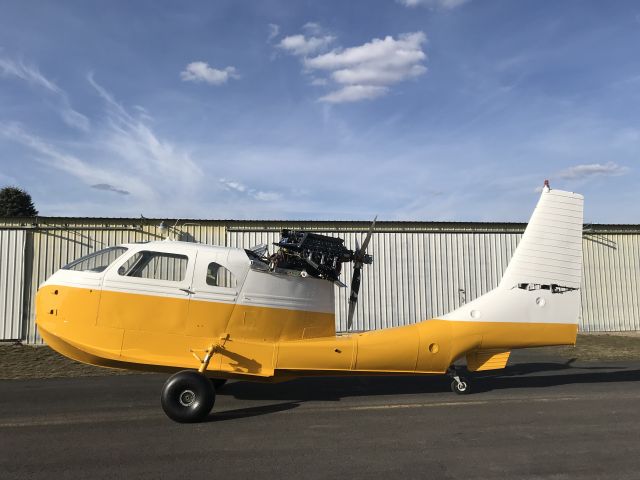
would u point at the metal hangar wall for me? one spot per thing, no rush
(420, 270)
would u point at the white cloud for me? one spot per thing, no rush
(32, 75)
(133, 141)
(355, 93)
(68, 163)
(202, 72)
(377, 75)
(366, 71)
(267, 196)
(358, 73)
(301, 45)
(312, 28)
(406, 50)
(260, 195)
(122, 154)
(29, 73)
(593, 170)
(231, 185)
(444, 4)
(74, 118)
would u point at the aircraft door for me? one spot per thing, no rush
(146, 294)
(149, 291)
(214, 293)
(218, 278)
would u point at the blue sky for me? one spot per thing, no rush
(409, 109)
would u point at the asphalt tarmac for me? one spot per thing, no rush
(540, 418)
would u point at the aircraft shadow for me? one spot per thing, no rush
(523, 375)
(251, 411)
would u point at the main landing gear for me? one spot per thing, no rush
(188, 396)
(460, 384)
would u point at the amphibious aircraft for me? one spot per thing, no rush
(212, 313)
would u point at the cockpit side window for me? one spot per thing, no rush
(219, 276)
(96, 262)
(156, 266)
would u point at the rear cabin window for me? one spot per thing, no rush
(169, 267)
(96, 262)
(219, 276)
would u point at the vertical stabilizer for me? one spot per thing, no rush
(542, 281)
(550, 251)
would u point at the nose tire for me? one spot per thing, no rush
(461, 387)
(187, 397)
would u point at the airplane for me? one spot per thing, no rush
(208, 313)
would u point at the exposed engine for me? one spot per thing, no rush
(317, 255)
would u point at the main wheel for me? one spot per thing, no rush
(218, 383)
(461, 388)
(187, 397)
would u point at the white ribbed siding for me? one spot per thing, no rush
(421, 275)
(414, 276)
(419, 270)
(12, 244)
(611, 283)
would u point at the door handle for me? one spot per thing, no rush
(188, 291)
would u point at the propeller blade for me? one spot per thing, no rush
(360, 258)
(365, 244)
(352, 309)
(353, 298)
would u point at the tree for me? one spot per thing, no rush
(16, 202)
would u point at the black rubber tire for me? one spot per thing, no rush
(187, 397)
(218, 383)
(463, 389)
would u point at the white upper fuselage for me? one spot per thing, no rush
(254, 286)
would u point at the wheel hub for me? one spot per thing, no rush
(187, 398)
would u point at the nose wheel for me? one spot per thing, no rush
(188, 396)
(459, 384)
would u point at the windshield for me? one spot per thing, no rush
(96, 262)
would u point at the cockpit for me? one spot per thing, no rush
(97, 261)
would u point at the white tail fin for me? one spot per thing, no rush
(542, 281)
(550, 251)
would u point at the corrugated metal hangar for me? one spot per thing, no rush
(420, 270)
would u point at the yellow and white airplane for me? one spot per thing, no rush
(215, 313)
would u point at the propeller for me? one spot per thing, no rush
(360, 258)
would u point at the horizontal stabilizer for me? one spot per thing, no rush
(487, 360)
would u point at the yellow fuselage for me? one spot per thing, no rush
(149, 332)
